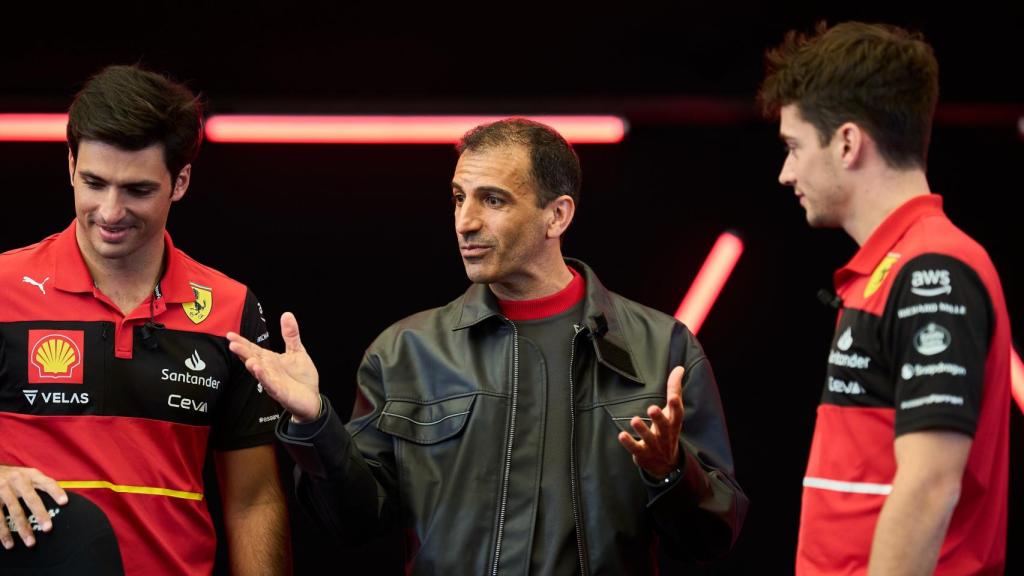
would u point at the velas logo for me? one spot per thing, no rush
(55, 356)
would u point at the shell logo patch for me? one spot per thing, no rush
(880, 273)
(55, 356)
(199, 309)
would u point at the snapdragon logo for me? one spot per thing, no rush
(915, 370)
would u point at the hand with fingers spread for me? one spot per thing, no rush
(657, 451)
(290, 378)
(17, 482)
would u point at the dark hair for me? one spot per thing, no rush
(554, 166)
(880, 77)
(132, 108)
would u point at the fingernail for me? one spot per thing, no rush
(30, 541)
(8, 544)
(46, 526)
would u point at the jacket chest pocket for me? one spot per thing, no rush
(426, 422)
(622, 412)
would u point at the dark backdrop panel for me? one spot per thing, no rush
(352, 238)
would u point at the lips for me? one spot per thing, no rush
(113, 234)
(474, 250)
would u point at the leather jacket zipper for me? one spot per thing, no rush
(509, 440)
(577, 513)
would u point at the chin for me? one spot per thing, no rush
(478, 274)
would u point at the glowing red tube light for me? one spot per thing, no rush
(1017, 378)
(33, 127)
(710, 279)
(393, 129)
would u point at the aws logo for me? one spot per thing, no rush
(930, 282)
(55, 356)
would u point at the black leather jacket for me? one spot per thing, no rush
(435, 424)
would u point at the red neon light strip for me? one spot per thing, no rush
(393, 129)
(1017, 378)
(708, 284)
(33, 127)
(333, 129)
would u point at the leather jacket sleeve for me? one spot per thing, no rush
(346, 488)
(699, 516)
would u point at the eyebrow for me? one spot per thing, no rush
(484, 189)
(133, 184)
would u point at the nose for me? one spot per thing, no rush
(111, 209)
(787, 176)
(466, 219)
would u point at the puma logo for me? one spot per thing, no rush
(39, 285)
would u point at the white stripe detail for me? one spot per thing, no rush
(424, 423)
(851, 487)
(932, 399)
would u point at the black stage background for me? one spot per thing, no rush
(352, 238)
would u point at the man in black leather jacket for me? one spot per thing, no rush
(518, 429)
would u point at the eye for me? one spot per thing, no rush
(94, 185)
(458, 198)
(494, 202)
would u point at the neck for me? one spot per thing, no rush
(879, 196)
(126, 281)
(544, 278)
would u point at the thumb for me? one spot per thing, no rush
(290, 333)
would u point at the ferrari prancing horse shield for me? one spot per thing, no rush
(198, 310)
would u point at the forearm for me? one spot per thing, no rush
(701, 513)
(257, 539)
(337, 486)
(912, 527)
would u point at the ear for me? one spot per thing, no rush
(850, 142)
(180, 184)
(559, 215)
(71, 167)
